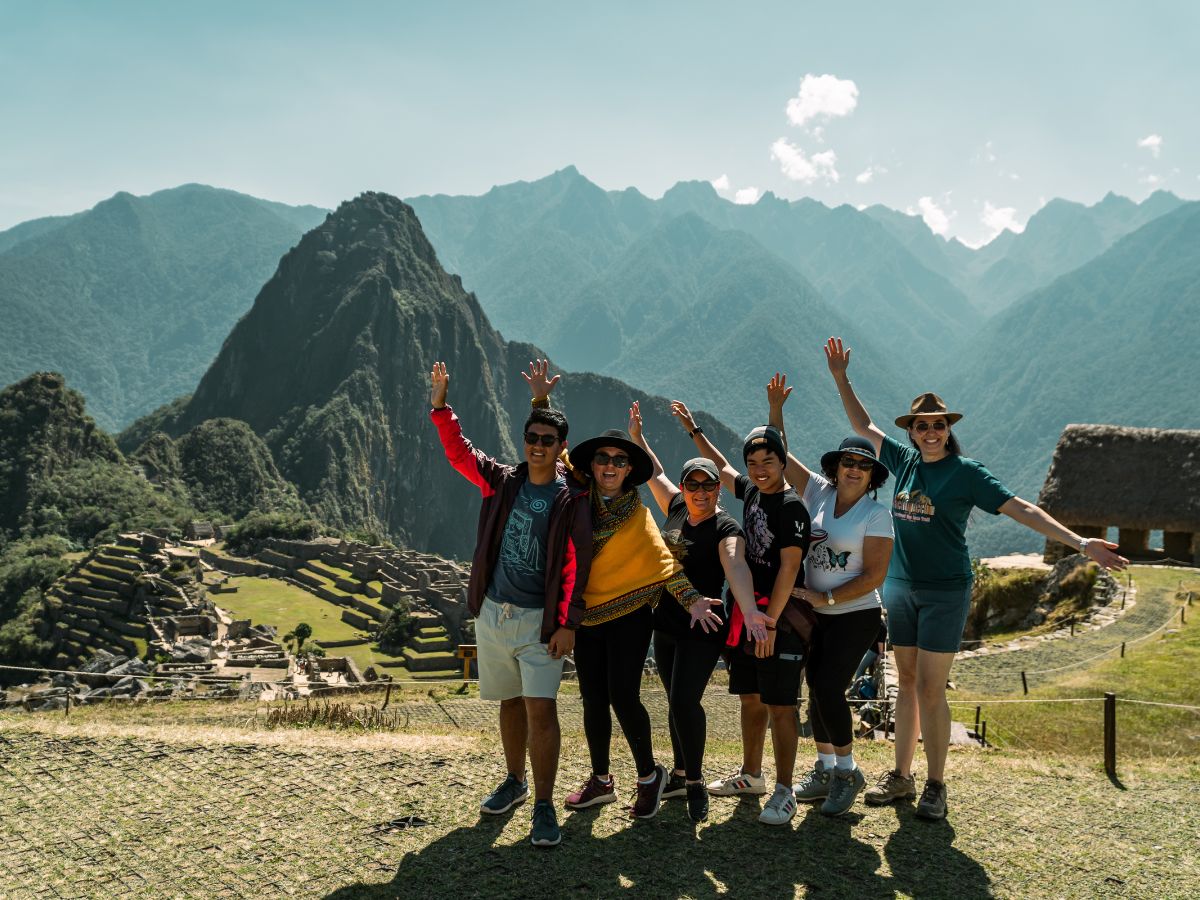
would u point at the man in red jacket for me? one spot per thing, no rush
(530, 567)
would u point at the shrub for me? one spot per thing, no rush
(249, 535)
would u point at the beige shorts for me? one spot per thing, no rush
(513, 661)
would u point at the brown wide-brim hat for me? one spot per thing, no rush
(928, 404)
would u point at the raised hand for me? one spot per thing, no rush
(778, 391)
(439, 383)
(680, 411)
(837, 357)
(539, 380)
(703, 613)
(635, 422)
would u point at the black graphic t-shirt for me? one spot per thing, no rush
(520, 576)
(697, 548)
(771, 522)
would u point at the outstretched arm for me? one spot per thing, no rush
(474, 465)
(539, 381)
(795, 472)
(838, 358)
(660, 485)
(706, 447)
(1033, 516)
(741, 582)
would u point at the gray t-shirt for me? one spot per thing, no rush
(520, 575)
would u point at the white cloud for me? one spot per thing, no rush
(1151, 180)
(1153, 143)
(825, 96)
(721, 184)
(867, 175)
(999, 218)
(936, 218)
(746, 196)
(799, 167)
(989, 153)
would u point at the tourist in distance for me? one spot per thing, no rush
(927, 593)
(632, 568)
(709, 544)
(526, 589)
(846, 564)
(765, 674)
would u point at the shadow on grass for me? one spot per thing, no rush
(669, 856)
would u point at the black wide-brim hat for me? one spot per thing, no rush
(640, 467)
(859, 446)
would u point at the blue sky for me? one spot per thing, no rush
(970, 113)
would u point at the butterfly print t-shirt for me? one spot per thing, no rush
(836, 553)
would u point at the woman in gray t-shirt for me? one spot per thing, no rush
(846, 563)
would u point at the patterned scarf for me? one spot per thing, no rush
(607, 518)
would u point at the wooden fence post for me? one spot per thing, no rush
(387, 695)
(1110, 734)
(1122, 649)
(1024, 682)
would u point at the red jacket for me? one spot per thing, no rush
(568, 544)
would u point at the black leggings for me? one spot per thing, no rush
(685, 665)
(609, 659)
(838, 644)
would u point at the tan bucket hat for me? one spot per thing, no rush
(928, 404)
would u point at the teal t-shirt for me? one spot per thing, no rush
(930, 510)
(520, 576)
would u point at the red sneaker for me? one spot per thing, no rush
(593, 793)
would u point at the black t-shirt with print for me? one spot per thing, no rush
(696, 546)
(772, 522)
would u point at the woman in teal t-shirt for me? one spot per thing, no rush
(927, 593)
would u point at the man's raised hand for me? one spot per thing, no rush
(539, 380)
(837, 356)
(439, 383)
(778, 391)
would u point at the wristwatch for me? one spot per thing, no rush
(829, 598)
(1083, 542)
(695, 431)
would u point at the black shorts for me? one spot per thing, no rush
(776, 679)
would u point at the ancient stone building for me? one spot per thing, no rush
(1135, 479)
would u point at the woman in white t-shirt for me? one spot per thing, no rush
(845, 566)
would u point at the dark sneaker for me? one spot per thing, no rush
(649, 795)
(814, 785)
(502, 799)
(932, 804)
(676, 786)
(545, 831)
(697, 801)
(781, 808)
(845, 786)
(593, 792)
(891, 786)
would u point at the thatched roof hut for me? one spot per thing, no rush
(1136, 478)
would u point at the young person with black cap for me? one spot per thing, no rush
(526, 589)
(927, 593)
(709, 544)
(846, 564)
(632, 568)
(767, 679)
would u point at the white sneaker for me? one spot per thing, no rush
(738, 782)
(780, 808)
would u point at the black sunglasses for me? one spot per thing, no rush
(707, 486)
(925, 426)
(603, 459)
(546, 440)
(860, 463)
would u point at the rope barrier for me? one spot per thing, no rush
(1158, 703)
(1144, 637)
(983, 702)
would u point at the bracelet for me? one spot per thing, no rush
(1083, 542)
(697, 430)
(540, 402)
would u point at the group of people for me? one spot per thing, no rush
(569, 560)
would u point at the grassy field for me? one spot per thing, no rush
(1161, 669)
(274, 602)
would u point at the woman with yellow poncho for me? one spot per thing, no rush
(631, 568)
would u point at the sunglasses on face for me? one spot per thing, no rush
(603, 459)
(532, 438)
(707, 486)
(860, 463)
(925, 426)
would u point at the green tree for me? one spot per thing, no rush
(302, 632)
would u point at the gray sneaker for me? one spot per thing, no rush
(502, 799)
(847, 784)
(814, 785)
(891, 786)
(932, 804)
